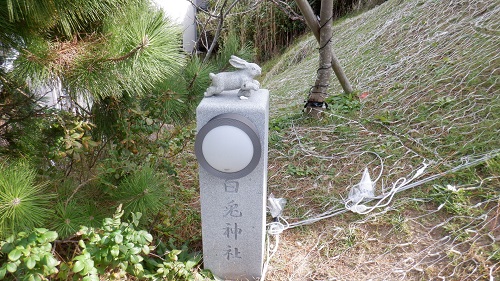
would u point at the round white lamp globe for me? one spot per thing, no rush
(227, 149)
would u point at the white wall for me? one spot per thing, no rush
(183, 13)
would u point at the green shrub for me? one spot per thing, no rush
(23, 203)
(116, 246)
(27, 256)
(113, 252)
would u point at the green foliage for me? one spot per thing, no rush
(29, 137)
(175, 98)
(494, 254)
(76, 140)
(454, 200)
(443, 102)
(233, 46)
(68, 218)
(96, 48)
(493, 166)
(126, 58)
(116, 246)
(344, 103)
(118, 249)
(142, 49)
(140, 140)
(114, 251)
(299, 171)
(283, 123)
(27, 256)
(66, 18)
(24, 204)
(143, 191)
(267, 27)
(175, 265)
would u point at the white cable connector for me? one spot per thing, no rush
(365, 189)
(276, 205)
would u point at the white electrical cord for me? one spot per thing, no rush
(276, 205)
(366, 187)
(274, 229)
(466, 163)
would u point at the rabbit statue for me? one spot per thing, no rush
(240, 79)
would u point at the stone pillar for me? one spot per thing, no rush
(231, 148)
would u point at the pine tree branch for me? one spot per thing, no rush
(17, 88)
(144, 44)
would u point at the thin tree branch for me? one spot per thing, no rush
(199, 9)
(217, 33)
(285, 8)
(78, 188)
(222, 15)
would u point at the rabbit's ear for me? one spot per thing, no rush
(238, 64)
(235, 58)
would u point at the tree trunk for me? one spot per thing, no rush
(312, 22)
(315, 103)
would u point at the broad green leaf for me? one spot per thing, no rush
(32, 237)
(135, 259)
(92, 277)
(30, 262)
(41, 230)
(50, 236)
(89, 264)
(15, 254)
(34, 277)
(135, 250)
(82, 244)
(11, 239)
(148, 237)
(146, 249)
(190, 264)
(118, 238)
(104, 239)
(76, 135)
(3, 271)
(138, 269)
(7, 247)
(50, 261)
(11, 267)
(27, 252)
(115, 250)
(78, 266)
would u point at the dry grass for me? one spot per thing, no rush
(429, 71)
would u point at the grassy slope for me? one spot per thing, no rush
(430, 71)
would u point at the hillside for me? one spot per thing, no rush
(426, 125)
